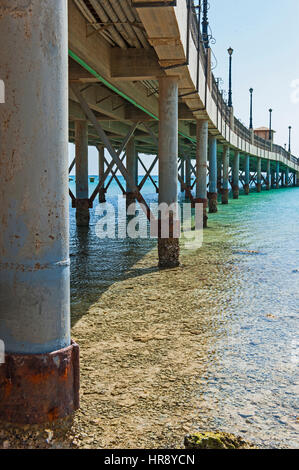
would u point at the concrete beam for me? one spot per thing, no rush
(135, 64)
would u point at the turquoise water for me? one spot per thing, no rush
(251, 385)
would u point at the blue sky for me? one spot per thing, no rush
(265, 39)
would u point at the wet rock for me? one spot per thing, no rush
(215, 440)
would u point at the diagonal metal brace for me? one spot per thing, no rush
(112, 163)
(115, 177)
(106, 141)
(148, 174)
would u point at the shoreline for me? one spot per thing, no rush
(140, 364)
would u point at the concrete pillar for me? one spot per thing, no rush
(82, 203)
(272, 179)
(102, 194)
(287, 175)
(39, 379)
(277, 174)
(188, 174)
(247, 175)
(219, 175)
(213, 175)
(202, 166)
(236, 171)
(225, 163)
(268, 186)
(182, 173)
(168, 248)
(259, 175)
(132, 170)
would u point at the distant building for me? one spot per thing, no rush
(263, 132)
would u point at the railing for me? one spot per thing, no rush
(196, 35)
(262, 143)
(242, 130)
(222, 107)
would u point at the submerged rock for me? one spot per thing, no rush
(215, 440)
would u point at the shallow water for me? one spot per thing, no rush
(251, 384)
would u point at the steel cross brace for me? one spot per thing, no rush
(148, 174)
(72, 165)
(113, 173)
(112, 163)
(115, 156)
(115, 177)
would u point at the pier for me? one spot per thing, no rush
(131, 78)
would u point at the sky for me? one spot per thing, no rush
(265, 39)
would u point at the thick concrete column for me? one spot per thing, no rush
(168, 247)
(202, 166)
(247, 175)
(268, 186)
(39, 379)
(102, 194)
(277, 174)
(82, 203)
(213, 175)
(236, 171)
(132, 170)
(287, 175)
(188, 174)
(225, 163)
(259, 175)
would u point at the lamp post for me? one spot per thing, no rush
(251, 121)
(290, 131)
(205, 24)
(270, 124)
(230, 100)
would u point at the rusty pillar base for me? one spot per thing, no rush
(258, 188)
(236, 192)
(102, 196)
(205, 213)
(213, 203)
(169, 252)
(82, 212)
(82, 217)
(225, 194)
(39, 388)
(246, 189)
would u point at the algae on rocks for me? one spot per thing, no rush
(215, 440)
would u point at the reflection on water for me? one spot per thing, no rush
(251, 384)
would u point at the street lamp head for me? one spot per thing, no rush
(290, 127)
(251, 90)
(230, 51)
(270, 110)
